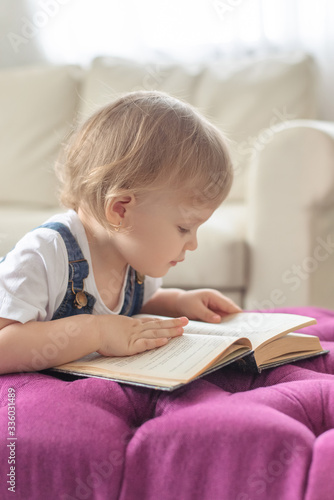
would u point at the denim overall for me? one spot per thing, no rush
(77, 300)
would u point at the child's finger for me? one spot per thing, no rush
(157, 323)
(142, 345)
(162, 332)
(205, 314)
(223, 305)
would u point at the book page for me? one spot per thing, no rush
(181, 359)
(290, 346)
(256, 326)
(260, 328)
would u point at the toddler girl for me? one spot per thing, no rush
(139, 178)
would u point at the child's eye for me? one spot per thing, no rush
(183, 230)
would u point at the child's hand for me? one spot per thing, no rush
(123, 336)
(205, 305)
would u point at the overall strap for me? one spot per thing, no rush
(134, 293)
(78, 265)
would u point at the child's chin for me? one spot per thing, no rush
(157, 274)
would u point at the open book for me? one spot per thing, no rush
(257, 340)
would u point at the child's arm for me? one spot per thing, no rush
(38, 345)
(204, 305)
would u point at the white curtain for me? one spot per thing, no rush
(80, 29)
(75, 31)
(18, 46)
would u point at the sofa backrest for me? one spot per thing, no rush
(39, 105)
(245, 99)
(37, 109)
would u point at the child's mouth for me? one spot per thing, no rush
(174, 262)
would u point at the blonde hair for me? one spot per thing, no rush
(144, 141)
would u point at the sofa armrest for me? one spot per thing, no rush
(290, 230)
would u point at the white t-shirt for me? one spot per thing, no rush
(34, 275)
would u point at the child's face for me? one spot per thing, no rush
(163, 227)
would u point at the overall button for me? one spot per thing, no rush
(80, 300)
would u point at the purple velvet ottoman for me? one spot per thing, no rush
(230, 435)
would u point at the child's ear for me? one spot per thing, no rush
(119, 208)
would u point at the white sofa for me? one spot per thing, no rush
(269, 244)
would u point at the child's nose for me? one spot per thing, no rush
(191, 243)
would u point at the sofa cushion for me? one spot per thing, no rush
(244, 98)
(38, 107)
(17, 220)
